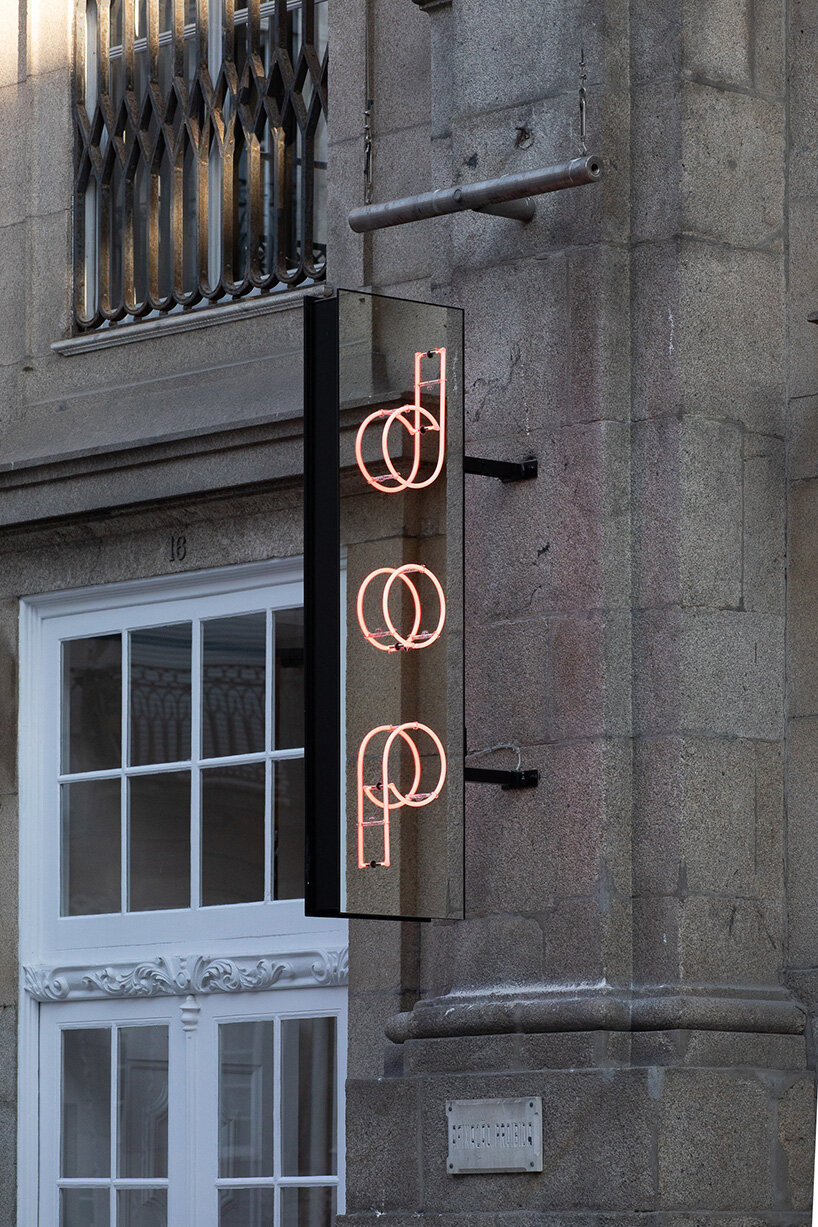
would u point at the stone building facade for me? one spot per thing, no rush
(641, 941)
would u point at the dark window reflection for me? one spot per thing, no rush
(92, 704)
(233, 834)
(159, 843)
(143, 1103)
(86, 1103)
(160, 694)
(246, 1099)
(241, 1207)
(311, 1207)
(234, 654)
(91, 839)
(142, 1208)
(308, 1107)
(85, 1208)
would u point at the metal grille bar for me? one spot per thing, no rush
(200, 152)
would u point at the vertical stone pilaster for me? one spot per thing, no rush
(708, 354)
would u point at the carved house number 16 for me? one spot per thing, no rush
(178, 549)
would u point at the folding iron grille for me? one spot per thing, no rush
(383, 422)
(200, 154)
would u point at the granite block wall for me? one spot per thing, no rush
(641, 946)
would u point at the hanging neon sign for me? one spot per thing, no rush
(417, 421)
(384, 584)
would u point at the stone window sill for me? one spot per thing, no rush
(187, 321)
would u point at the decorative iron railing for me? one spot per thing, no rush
(200, 162)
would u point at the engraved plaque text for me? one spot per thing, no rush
(494, 1135)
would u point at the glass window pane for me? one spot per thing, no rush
(233, 834)
(159, 841)
(246, 1099)
(313, 1207)
(86, 1104)
(91, 839)
(142, 1208)
(234, 654)
(92, 703)
(245, 1208)
(160, 695)
(143, 1103)
(85, 1208)
(289, 679)
(308, 1107)
(289, 829)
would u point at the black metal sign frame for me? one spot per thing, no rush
(322, 606)
(324, 782)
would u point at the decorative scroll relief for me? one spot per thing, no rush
(189, 974)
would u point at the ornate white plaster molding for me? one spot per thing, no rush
(180, 976)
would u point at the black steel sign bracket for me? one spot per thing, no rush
(504, 470)
(508, 780)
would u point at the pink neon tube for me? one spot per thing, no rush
(416, 639)
(393, 798)
(416, 420)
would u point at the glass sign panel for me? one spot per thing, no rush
(385, 550)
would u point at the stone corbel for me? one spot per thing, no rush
(428, 5)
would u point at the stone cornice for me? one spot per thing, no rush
(181, 976)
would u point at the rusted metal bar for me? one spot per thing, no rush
(508, 197)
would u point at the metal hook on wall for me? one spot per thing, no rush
(583, 104)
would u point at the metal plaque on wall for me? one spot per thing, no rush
(384, 607)
(494, 1135)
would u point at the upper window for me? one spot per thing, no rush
(172, 761)
(203, 712)
(200, 152)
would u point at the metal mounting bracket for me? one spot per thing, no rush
(505, 197)
(503, 470)
(508, 780)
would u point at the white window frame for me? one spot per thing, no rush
(243, 949)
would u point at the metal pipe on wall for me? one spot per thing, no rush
(508, 196)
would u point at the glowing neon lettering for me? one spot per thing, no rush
(416, 421)
(416, 639)
(385, 795)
